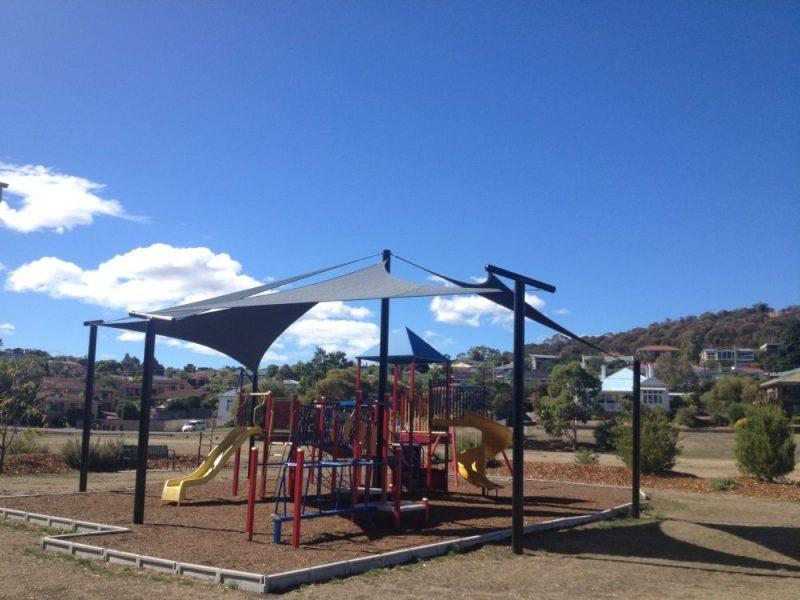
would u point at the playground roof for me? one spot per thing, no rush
(404, 348)
(243, 325)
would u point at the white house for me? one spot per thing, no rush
(226, 406)
(620, 384)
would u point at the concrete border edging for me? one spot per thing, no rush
(255, 582)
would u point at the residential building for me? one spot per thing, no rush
(618, 386)
(506, 373)
(227, 405)
(64, 397)
(770, 348)
(785, 388)
(604, 359)
(542, 366)
(461, 371)
(737, 357)
(707, 373)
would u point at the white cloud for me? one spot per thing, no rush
(561, 311)
(472, 310)
(441, 280)
(51, 200)
(347, 335)
(130, 336)
(338, 309)
(144, 278)
(7, 328)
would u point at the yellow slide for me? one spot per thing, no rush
(494, 439)
(175, 489)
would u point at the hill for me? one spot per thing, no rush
(742, 327)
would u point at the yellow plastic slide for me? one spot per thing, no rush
(175, 489)
(494, 439)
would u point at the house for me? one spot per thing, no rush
(588, 358)
(704, 373)
(506, 373)
(227, 405)
(291, 382)
(652, 352)
(770, 349)
(164, 388)
(737, 357)
(785, 388)
(618, 386)
(64, 397)
(542, 366)
(461, 371)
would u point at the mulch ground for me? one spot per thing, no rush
(208, 529)
(39, 463)
(35, 463)
(606, 475)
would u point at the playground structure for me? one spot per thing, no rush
(336, 461)
(244, 324)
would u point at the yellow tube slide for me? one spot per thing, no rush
(494, 439)
(175, 489)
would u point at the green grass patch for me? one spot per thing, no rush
(722, 484)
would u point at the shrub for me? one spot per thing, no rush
(722, 484)
(604, 435)
(734, 412)
(27, 442)
(659, 441)
(686, 416)
(764, 444)
(102, 456)
(584, 456)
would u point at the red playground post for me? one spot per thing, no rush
(396, 486)
(251, 495)
(297, 499)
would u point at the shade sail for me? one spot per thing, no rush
(404, 348)
(243, 325)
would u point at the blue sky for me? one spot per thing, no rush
(643, 157)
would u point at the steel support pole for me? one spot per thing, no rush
(519, 405)
(636, 424)
(383, 370)
(144, 422)
(251, 417)
(88, 415)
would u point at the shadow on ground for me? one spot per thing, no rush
(648, 543)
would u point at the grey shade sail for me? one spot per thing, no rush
(370, 283)
(404, 348)
(243, 334)
(243, 325)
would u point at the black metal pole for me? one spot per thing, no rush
(636, 424)
(517, 505)
(383, 370)
(144, 422)
(251, 417)
(87, 408)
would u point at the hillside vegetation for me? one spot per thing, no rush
(743, 327)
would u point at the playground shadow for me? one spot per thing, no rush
(648, 543)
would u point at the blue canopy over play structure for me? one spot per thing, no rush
(406, 347)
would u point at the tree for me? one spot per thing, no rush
(721, 400)
(338, 384)
(764, 444)
(677, 374)
(571, 399)
(789, 356)
(659, 440)
(128, 410)
(190, 368)
(19, 385)
(271, 371)
(319, 365)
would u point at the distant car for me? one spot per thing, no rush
(193, 425)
